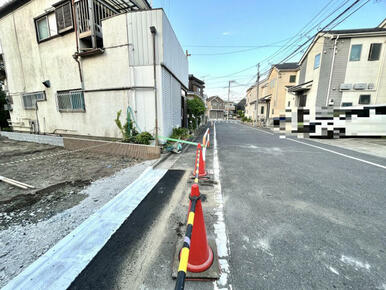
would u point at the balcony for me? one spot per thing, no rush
(89, 20)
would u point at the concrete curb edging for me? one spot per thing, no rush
(42, 139)
(62, 264)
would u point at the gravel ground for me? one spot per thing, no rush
(21, 244)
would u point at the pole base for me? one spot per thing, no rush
(212, 273)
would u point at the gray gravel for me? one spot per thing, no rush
(20, 245)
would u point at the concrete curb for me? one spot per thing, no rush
(62, 264)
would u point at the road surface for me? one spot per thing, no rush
(298, 216)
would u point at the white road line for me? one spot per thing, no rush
(220, 227)
(266, 132)
(341, 154)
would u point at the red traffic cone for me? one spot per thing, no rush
(200, 255)
(201, 171)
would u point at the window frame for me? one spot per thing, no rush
(371, 49)
(36, 19)
(346, 104)
(319, 57)
(72, 110)
(44, 98)
(294, 80)
(360, 53)
(361, 103)
(262, 110)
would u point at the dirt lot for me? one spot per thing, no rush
(58, 175)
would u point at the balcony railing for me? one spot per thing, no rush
(89, 21)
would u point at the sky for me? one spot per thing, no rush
(228, 36)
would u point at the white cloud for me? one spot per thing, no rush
(226, 33)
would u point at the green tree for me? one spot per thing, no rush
(196, 109)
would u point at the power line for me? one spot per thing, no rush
(288, 46)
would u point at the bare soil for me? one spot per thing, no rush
(58, 175)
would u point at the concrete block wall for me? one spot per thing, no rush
(42, 139)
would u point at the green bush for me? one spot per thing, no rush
(180, 133)
(244, 119)
(196, 109)
(143, 138)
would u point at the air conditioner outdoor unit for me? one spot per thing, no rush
(371, 86)
(345, 86)
(360, 86)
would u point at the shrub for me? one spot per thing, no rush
(195, 108)
(143, 138)
(244, 119)
(180, 133)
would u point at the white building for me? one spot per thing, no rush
(81, 75)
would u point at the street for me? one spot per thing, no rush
(299, 217)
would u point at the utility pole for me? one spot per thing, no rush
(257, 90)
(229, 92)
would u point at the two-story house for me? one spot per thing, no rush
(272, 91)
(72, 65)
(196, 88)
(342, 68)
(215, 108)
(250, 102)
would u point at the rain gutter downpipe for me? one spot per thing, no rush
(332, 70)
(153, 31)
(76, 56)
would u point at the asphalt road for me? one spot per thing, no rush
(299, 217)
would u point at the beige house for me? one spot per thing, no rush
(272, 93)
(72, 65)
(250, 105)
(215, 108)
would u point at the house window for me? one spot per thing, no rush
(375, 51)
(302, 100)
(347, 104)
(364, 99)
(262, 110)
(317, 61)
(289, 104)
(292, 79)
(42, 28)
(356, 50)
(70, 101)
(30, 99)
(63, 15)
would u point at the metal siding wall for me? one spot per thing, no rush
(324, 74)
(302, 74)
(171, 103)
(173, 54)
(140, 38)
(340, 67)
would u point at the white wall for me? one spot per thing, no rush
(126, 62)
(365, 71)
